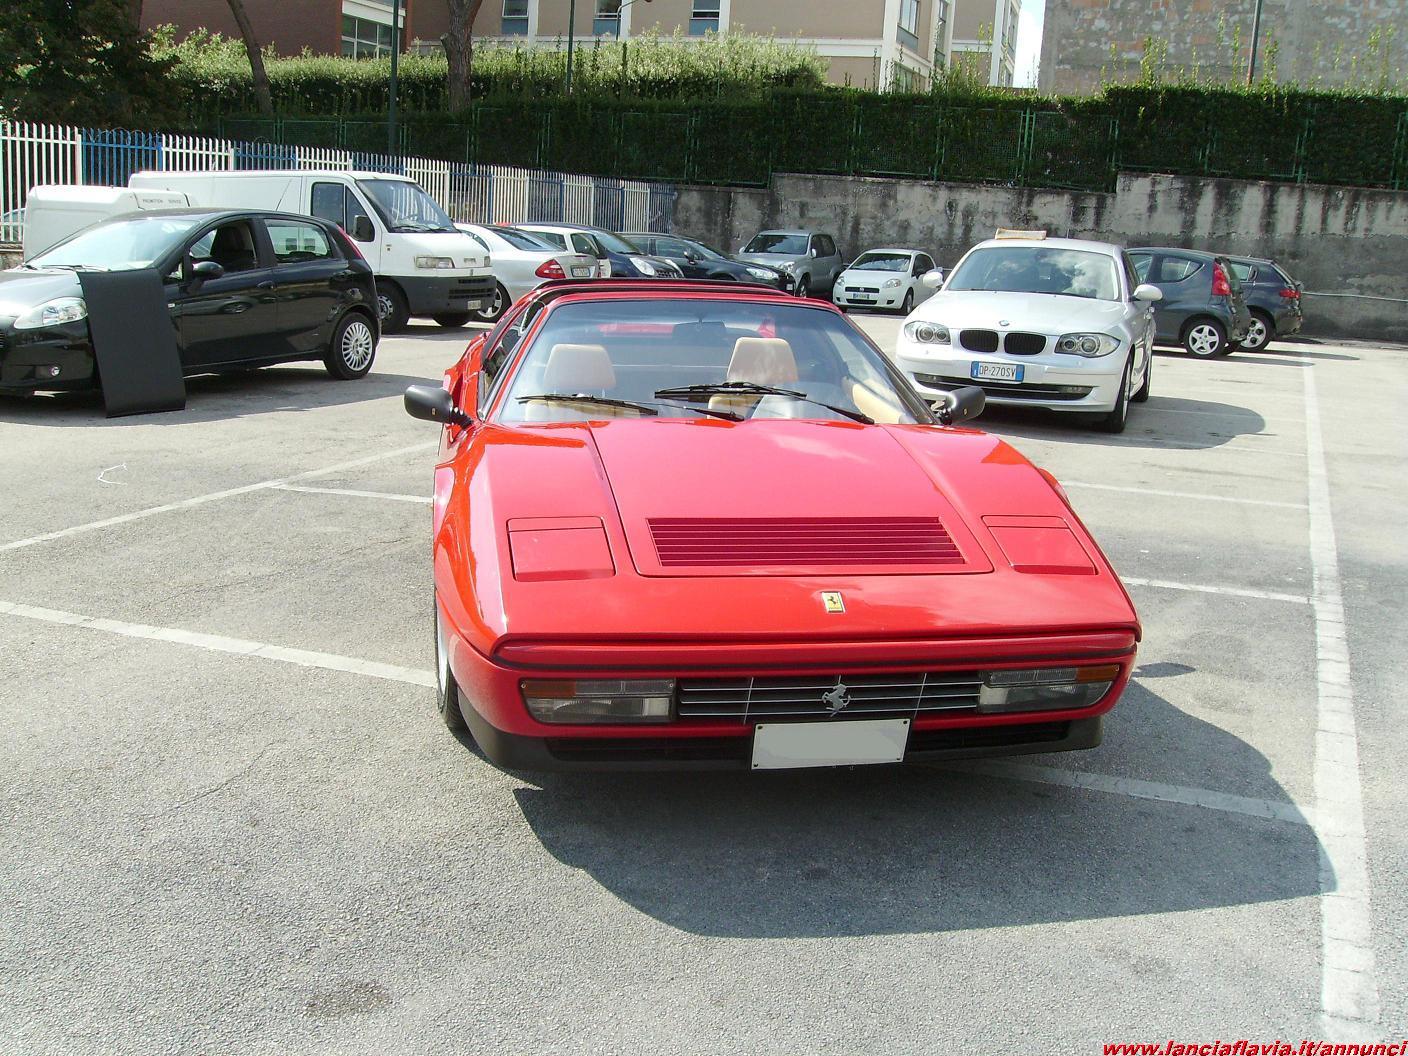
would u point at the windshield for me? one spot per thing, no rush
(615, 243)
(521, 239)
(778, 242)
(881, 262)
(405, 207)
(119, 245)
(629, 351)
(1034, 269)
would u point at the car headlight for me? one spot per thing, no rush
(644, 266)
(926, 333)
(890, 284)
(436, 263)
(763, 273)
(1087, 345)
(1045, 688)
(599, 700)
(52, 313)
(789, 266)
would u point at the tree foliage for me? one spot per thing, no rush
(81, 62)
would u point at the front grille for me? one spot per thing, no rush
(803, 696)
(1009, 390)
(1020, 344)
(987, 736)
(809, 541)
(863, 289)
(978, 340)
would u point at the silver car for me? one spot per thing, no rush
(810, 257)
(1059, 323)
(522, 263)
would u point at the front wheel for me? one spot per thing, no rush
(352, 348)
(447, 692)
(1146, 387)
(452, 320)
(1118, 417)
(907, 305)
(1259, 334)
(1206, 339)
(391, 308)
(803, 289)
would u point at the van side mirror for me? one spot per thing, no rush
(431, 403)
(933, 278)
(204, 271)
(1147, 291)
(961, 405)
(362, 229)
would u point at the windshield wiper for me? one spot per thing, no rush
(425, 228)
(721, 388)
(645, 408)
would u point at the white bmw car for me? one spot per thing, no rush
(1059, 323)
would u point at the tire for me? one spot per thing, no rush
(1115, 420)
(452, 320)
(352, 350)
(1206, 339)
(496, 308)
(803, 287)
(1146, 387)
(447, 693)
(391, 307)
(1262, 331)
(907, 305)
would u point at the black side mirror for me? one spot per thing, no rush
(692, 256)
(204, 271)
(434, 404)
(362, 229)
(961, 405)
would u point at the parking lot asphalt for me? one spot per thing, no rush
(233, 823)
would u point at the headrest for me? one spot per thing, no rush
(763, 361)
(578, 368)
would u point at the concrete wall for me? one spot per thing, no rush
(1348, 246)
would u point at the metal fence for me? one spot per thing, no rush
(33, 154)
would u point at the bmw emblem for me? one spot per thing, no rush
(1004, 322)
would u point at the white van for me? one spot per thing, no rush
(52, 213)
(423, 264)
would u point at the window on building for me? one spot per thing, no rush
(364, 39)
(515, 18)
(909, 24)
(704, 18)
(607, 22)
(906, 80)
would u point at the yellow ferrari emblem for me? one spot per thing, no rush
(833, 601)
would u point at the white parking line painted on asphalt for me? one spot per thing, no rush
(1349, 993)
(220, 644)
(1184, 495)
(184, 504)
(1268, 809)
(426, 499)
(1202, 588)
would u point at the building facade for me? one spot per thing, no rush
(984, 36)
(1086, 42)
(875, 44)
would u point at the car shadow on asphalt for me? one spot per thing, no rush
(1165, 421)
(897, 850)
(216, 397)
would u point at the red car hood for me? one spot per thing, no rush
(925, 532)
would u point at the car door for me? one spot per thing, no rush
(232, 318)
(827, 264)
(1139, 316)
(923, 264)
(312, 280)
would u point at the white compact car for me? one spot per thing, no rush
(522, 263)
(1038, 322)
(884, 278)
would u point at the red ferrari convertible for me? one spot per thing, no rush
(688, 524)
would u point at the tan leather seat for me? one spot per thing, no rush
(575, 369)
(871, 400)
(761, 360)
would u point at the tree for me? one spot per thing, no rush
(256, 58)
(458, 42)
(80, 62)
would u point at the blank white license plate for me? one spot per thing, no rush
(846, 742)
(998, 371)
(581, 273)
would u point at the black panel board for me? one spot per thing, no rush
(134, 342)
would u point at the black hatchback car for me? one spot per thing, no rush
(699, 261)
(244, 289)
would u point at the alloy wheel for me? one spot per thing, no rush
(1257, 335)
(1204, 340)
(357, 345)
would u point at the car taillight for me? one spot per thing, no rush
(550, 269)
(1220, 287)
(1290, 293)
(352, 245)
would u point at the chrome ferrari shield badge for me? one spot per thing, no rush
(833, 601)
